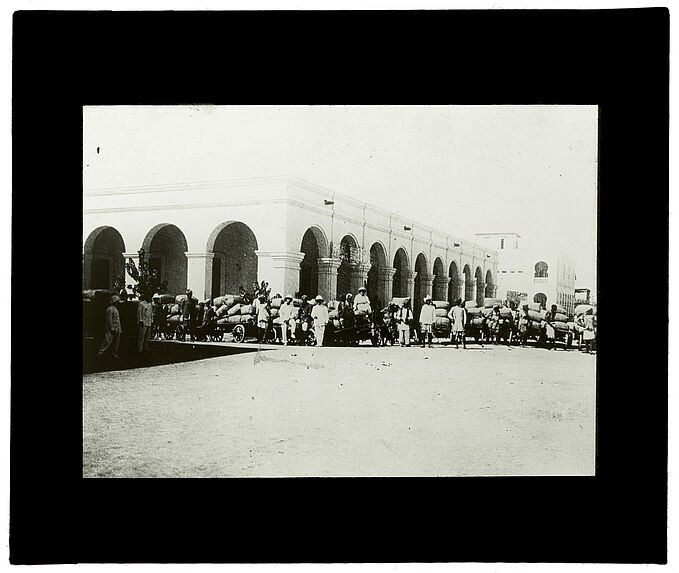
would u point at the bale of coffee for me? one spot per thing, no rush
(174, 309)
(441, 304)
(247, 309)
(534, 306)
(582, 309)
(222, 321)
(234, 310)
(234, 319)
(222, 310)
(536, 316)
(474, 312)
(245, 318)
(441, 313)
(470, 304)
(491, 302)
(561, 317)
(219, 301)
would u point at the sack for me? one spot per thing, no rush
(441, 313)
(182, 297)
(582, 309)
(491, 302)
(222, 321)
(442, 322)
(174, 309)
(247, 318)
(235, 319)
(474, 312)
(247, 309)
(560, 326)
(470, 304)
(534, 306)
(234, 310)
(441, 304)
(174, 320)
(535, 316)
(561, 317)
(219, 301)
(477, 322)
(222, 310)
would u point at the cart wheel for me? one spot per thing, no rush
(168, 334)
(310, 338)
(270, 337)
(238, 333)
(219, 336)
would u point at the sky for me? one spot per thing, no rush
(462, 169)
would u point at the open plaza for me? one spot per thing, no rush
(274, 411)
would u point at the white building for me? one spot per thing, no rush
(303, 239)
(532, 274)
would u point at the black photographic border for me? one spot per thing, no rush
(617, 59)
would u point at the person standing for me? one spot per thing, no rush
(320, 315)
(493, 323)
(159, 316)
(127, 310)
(550, 331)
(405, 319)
(287, 316)
(188, 308)
(113, 329)
(145, 323)
(427, 317)
(362, 302)
(588, 332)
(524, 324)
(345, 311)
(209, 316)
(304, 316)
(458, 319)
(263, 317)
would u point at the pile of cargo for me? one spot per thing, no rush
(441, 320)
(475, 316)
(560, 321)
(232, 309)
(490, 303)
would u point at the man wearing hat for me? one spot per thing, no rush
(320, 316)
(113, 330)
(427, 316)
(188, 308)
(304, 316)
(287, 315)
(362, 302)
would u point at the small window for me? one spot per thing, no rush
(541, 269)
(502, 243)
(503, 271)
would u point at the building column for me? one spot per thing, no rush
(135, 258)
(199, 274)
(409, 278)
(359, 276)
(440, 289)
(480, 291)
(427, 282)
(385, 283)
(280, 269)
(463, 287)
(327, 277)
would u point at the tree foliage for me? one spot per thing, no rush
(147, 279)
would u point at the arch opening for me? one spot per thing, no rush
(308, 268)
(440, 281)
(541, 270)
(454, 284)
(103, 261)
(420, 289)
(378, 261)
(480, 291)
(400, 284)
(234, 264)
(468, 284)
(166, 247)
(541, 298)
(349, 257)
(490, 284)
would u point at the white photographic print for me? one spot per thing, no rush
(326, 291)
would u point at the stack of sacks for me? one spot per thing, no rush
(491, 302)
(505, 312)
(247, 312)
(560, 321)
(475, 316)
(441, 320)
(470, 304)
(174, 314)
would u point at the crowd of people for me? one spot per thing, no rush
(135, 324)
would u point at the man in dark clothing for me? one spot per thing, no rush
(200, 314)
(128, 324)
(189, 311)
(304, 315)
(209, 317)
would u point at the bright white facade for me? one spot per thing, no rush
(534, 274)
(301, 238)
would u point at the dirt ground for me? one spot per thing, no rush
(346, 412)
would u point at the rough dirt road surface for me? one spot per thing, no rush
(346, 412)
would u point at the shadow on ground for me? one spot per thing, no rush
(161, 353)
